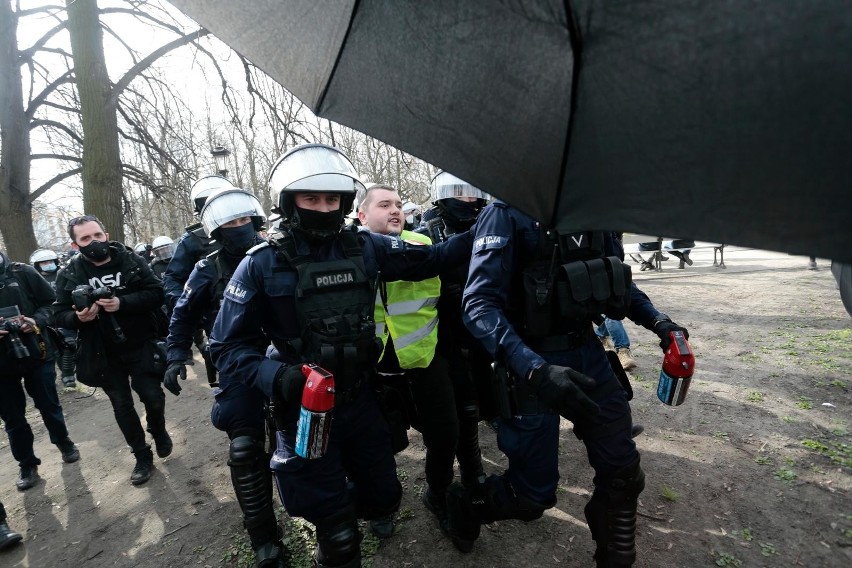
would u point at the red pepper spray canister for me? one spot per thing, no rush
(676, 374)
(314, 426)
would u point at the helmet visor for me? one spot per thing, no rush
(314, 168)
(163, 252)
(446, 185)
(228, 205)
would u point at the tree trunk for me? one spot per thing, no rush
(15, 208)
(102, 177)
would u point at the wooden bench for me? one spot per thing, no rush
(655, 260)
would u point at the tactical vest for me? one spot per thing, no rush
(334, 305)
(568, 283)
(15, 290)
(407, 311)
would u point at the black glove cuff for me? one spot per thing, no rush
(661, 317)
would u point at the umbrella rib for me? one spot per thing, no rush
(576, 51)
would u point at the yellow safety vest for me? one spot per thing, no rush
(410, 316)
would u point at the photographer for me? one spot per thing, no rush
(26, 353)
(112, 298)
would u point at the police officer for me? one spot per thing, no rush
(111, 297)
(8, 537)
(27, 353)
(144, 251)
(456, 206)
(530, 298)
(407, 322)
(194, 244)
(162, 249)
(47, 263)
(233, 217)
(310, 291)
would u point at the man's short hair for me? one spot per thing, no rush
(367, 199)
(74, 221)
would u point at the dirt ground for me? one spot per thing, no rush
(752, 470)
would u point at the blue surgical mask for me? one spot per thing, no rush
(48, 267)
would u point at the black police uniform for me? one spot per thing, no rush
(530, 299)
(315, 303)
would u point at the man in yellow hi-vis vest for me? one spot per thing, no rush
(407, 321)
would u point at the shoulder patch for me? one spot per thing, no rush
(489, 242)
(236, 292)
(202, 264)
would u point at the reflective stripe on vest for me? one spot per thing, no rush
(411, 317)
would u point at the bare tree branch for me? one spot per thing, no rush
(42, 96)
(134, 71)
(57, 125)
(77, 159)
(51, 182)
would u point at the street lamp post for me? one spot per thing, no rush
(220, 155)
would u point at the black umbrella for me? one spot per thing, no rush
(728, 121)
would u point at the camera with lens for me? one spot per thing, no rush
(83, 296)
(11, 324)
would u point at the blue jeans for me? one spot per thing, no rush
(615, 329)
(39, 379)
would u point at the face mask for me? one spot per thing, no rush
(409, 219)
(461, 213)
(48, 267)
(237, 240)
(319, 225)
(96, 251)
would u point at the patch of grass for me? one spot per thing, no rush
(763, 460)
(755, 396)
(746, 534)
(766, 549)
(785, 474)
(838, 383)
(788, 419)
(299, 541)
(239, 553)
(561, 490)
(838, 452)
(670, 494)
(721, 436)
(805, 403)
(726, 559)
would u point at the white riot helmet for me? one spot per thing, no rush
(445, 185)
(314, 168)
(44, 260)
(142, 249)
(448, 193)
(203, 187)
(43, 255)
(225, 205)
(162, 248)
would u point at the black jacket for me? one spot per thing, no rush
(21, 285)
(139, 291)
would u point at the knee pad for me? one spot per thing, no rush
(338, 540)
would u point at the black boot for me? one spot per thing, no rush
(163, 443)
(28, 477)
(69, 451)
(8, 537)
(436, 502)
(144, 466)
(463, 523)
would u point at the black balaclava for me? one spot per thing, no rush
(461, 215)
(96, 250)
(318, 226)
(237, 240)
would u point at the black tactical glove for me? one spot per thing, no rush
(663, 326)
(170, 380)
(290, 382)
(560, 388)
